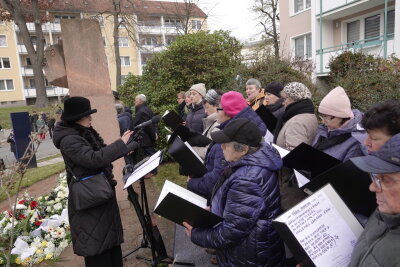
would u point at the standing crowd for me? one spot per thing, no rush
(245, 183)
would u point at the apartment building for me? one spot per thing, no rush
(318, 30)
(146, 29)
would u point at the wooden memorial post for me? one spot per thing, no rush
(81, 64)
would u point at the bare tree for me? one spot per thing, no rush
(268, 15)
(21, 12)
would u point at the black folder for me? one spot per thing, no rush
(351, 184)
(189, 161)
(172, 119)
(267, 117)
(306, 158)
(179, 210)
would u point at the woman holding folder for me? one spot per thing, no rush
(247, 197)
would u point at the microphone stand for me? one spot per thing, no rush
(150, 231)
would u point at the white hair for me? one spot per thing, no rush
(142, 97)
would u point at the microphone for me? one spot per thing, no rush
(155, 119)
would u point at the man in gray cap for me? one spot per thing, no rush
(379, 244)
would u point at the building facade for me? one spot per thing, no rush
(319, 30)
(144, 30)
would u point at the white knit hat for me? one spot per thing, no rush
(336, 103)
(199, 88)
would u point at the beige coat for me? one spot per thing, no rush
(301, 128)
(210, 125)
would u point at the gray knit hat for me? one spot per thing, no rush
(212, 97)
(297, 91)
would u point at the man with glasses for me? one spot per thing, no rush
(379, 244)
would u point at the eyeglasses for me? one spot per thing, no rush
(326, 117)
(220, 109)
(376, 180)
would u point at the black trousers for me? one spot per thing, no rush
(109, 258)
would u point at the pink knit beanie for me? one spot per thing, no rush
(336, 103)
(233, 102)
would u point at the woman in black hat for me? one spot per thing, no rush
(97, 231)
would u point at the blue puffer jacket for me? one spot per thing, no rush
(352, 147)
(248, 201)
(203, 186)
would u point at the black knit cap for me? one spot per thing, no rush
(274, 88)
(241, 130)
(76, 108)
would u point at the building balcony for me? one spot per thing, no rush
(27, 71)
(148, 49)
(334, 9)
(47, 27)
(22, 48)
(50, 90)
(372, 46)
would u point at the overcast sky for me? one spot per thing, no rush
(233, 15)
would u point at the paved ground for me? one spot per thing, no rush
(130, 222)
(45, 149)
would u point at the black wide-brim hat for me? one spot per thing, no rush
(75, 108)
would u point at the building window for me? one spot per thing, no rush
(196, 24)
(148, 41)
(123, 42)
(125, 61)
(172, 22)
(6, 85)
(3, 41)
(32, 83)
(5, 63)
(121, 22)
(390, 22)
(372, 28)
(1, 22)
(170, 39)
(28, 61)
(353, 32)
(300, 5)
(123, 79)
(57, 18)
(302, 46)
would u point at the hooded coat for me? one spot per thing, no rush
(352, 146)
(215, 158)
(97, 229)
(248, 200)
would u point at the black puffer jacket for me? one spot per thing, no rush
(194, 119)
(96, 229)
(144, 113)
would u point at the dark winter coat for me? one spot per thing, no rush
(97, 229)
(248, 201)
(182, 110)
(194, 119)
(349, 148)
(125, 122)
(214, 158)
(143, 113)
(379, 244)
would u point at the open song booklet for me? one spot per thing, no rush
(320, 231)
(180, 205)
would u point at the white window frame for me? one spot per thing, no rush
(5, 85)
(123, 77)
(303, 35)
(123, 44)
(196, 24)
(123, 61)
(292, 7)
(362, 24)
(152, 40)
(2, 63)
(5, 37)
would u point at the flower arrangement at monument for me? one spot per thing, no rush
(41, 227)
